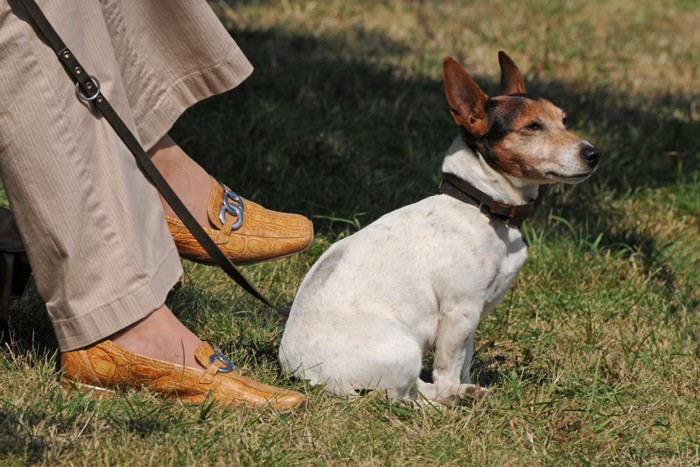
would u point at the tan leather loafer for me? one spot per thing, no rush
(106, 366)
(245, 231)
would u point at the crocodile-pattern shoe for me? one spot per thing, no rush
(107, 366)
(245, 231)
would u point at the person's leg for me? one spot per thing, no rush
(102, 256)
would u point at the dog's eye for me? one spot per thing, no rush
(563, 120)
(534, 126)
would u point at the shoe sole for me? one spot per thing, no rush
(84, 388)
(211, 262)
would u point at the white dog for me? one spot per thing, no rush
(421, 277)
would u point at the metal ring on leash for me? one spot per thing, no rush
(83, 97)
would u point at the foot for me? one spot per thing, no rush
(106, 366)
(161, 336)
(245, 231)
(161, 354)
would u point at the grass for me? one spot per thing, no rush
(593, 356)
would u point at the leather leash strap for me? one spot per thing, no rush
(507, 213)
(88, 90)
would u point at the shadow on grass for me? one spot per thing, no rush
(30, 329)
(16, 437)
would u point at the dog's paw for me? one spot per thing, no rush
(463, 394)
(472, 391)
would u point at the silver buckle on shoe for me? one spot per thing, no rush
(229, 207)
(217, 355)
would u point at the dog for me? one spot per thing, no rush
(420, 277)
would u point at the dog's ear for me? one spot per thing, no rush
(466, 99)
(511, 81)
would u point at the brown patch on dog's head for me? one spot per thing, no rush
(519, 134)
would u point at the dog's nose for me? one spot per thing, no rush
(591, 154)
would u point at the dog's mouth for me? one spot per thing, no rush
(575, 178)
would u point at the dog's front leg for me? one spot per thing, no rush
(464, 376)
(454, 348)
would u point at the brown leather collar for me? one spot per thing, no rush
(509, 214)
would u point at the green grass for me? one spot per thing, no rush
(594, 355)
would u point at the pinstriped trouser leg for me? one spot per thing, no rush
(93, 225)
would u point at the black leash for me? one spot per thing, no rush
(88, 90)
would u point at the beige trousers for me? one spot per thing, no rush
(93, 225)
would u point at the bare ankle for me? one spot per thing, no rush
(188, 179)
(160, 336)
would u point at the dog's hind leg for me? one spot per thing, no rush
(393, 361)
(381, 355)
